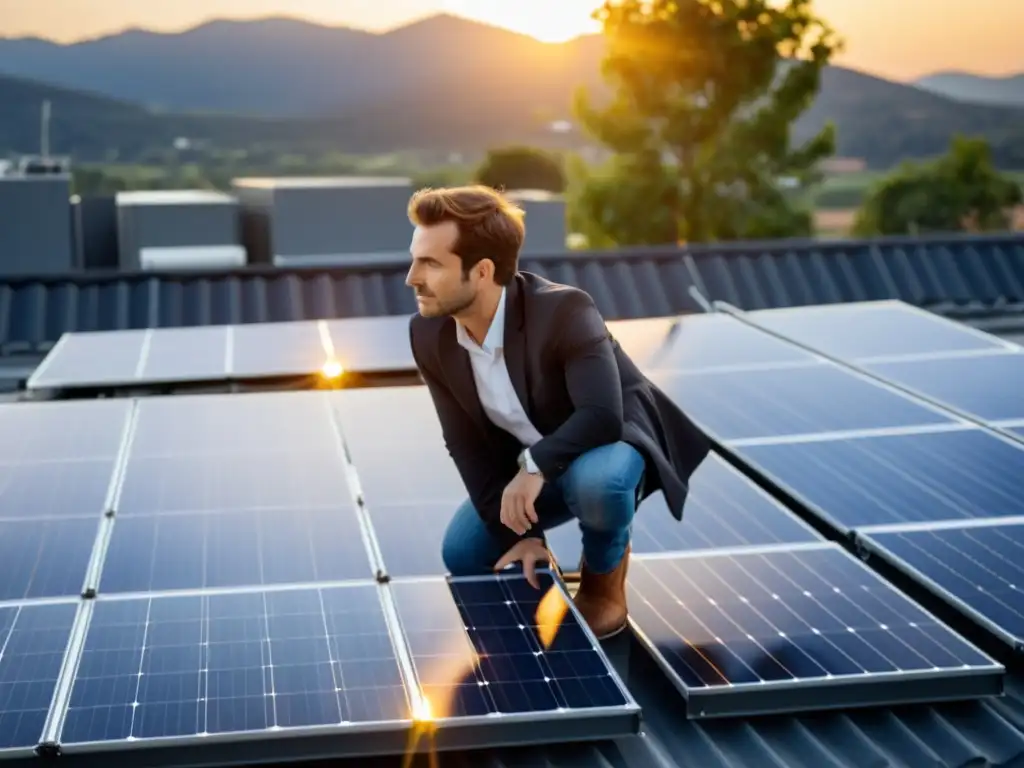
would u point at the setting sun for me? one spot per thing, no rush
(549, 22)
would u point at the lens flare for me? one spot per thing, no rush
(550, 612)
(331, 369)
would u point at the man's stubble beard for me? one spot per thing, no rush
(454, 308)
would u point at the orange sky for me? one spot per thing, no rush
(900, 39)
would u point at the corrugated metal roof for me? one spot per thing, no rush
(986, 271)
(977, 278)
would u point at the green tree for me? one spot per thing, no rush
(519, 167)
(960, 191)
(704, 93)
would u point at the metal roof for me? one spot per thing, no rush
(984, 272)
(979, 279)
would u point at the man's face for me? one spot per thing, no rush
(436, 272)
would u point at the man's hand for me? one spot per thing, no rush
(529, 552)
(517, 510)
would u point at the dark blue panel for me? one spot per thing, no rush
(234, 662)
(246, 423)
(873, 330)
(45, 558)
(478, 648)
(900, 478)
(264, 349)
(807, 615)
(33, 639)
(983, 566)
(57, 431)
(988, 387)
(723, 509)
(234, 549)
(709, 341)
(55, 489)
(790, 401)
(193, 483)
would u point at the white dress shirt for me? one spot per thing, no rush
(494, 386)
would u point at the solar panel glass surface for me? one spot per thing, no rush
(730, 625)
(898, 478)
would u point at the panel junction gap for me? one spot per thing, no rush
(140, 367)
(366, 532)
(419, 706)
(99, 552)
(50, 741)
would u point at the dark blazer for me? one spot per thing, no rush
(578, 386)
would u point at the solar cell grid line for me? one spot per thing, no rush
(46, 558)
(495, 650)
(298, 671)
(186, 354)
(795, 627)
(987, 387)
(33, 639)
(94, 358)
(723, 509)
(974, 566)
(898, 476)
(737, 405)
(719, 341)
(871, 329)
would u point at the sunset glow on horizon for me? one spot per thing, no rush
(899, 41)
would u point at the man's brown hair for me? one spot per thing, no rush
(490, 227)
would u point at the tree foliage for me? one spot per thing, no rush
(704, 93)
(521, 167)
(961, 190)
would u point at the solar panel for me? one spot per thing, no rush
(33, 638)
(237, 423)
(642, 339)
(62, 431)
(55, 489)
(185, 354)
(898, 477)
(239, 667)
(717, 340)
(810, 628)
(496, 648)
(224, 353)
(737, 405)
(277, 349)
(975, 567)
(872, 329)
(1016, 430)
(723, 510)
(45, 558)
(372, 344)
(249, 547)
(90, 359)
(985, 386)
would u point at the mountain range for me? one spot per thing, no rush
(976, 89)
(443, 83)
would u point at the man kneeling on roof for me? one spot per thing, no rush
(545, 416)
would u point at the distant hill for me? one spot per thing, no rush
(443, 83)
(976, 89)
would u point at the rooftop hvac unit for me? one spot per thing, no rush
(191, 257)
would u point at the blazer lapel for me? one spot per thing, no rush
(459, 372)
(515, 342)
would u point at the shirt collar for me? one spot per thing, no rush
(495, 338)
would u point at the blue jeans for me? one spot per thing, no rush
(599, 490)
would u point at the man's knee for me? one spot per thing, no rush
(600, 486)
(462, 550)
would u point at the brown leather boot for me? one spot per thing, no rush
(601, 598)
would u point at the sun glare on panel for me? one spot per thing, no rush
(332, 369)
